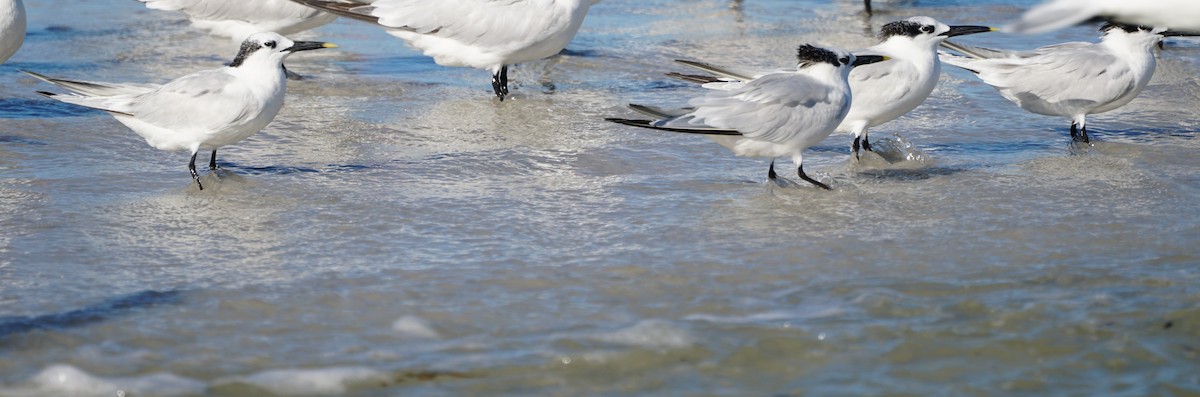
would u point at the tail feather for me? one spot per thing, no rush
(1052, 15)
(957, 61)
(352, 10)
(98, 103)
(694, 78)
(718, 70)
(657, 112)
(975, 52)
(650, 124)
(92, 88)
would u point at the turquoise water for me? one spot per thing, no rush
(397, 231)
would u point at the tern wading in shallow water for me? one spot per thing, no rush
(778, 114)
(1179, 15)
(882, 91)
(1071, 79)
(204, 110)
(12, 27)
(482, 34)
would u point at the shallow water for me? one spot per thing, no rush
(397, 231)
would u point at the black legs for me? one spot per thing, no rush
(212, 165)
(860, 143)
(799, 171)
(1079, 134)
(500, 83)
(867, 6)
(192, 168)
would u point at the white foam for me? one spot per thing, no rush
(293, 382)
(414, 327)
(744, 319)
(66, 380)
(649, 333)
(812, 312)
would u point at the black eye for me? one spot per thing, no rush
(844, 60)
(270, 44)
(927, 29)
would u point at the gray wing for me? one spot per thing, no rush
(95, 88)
(240, 10)
(479, 22)
(1055, 14)
(977, 52)
(204, 101)
(738, 74)
(482, 22)
(775, 108)
(1055, 73)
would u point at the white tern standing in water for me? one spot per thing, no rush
(201, 111)
(1179, 15)
(481, 34)
(12, 27)
(1071, 79)
(882, 91)
(778, 114)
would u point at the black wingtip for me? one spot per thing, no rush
(629, 122)
(650, 124)
(340, 9)
(46, 94)
(694, 78)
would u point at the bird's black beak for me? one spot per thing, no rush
(309, 45)
(1175, 33)
(965, 30)
(860, 60)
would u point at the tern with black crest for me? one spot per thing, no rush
(774, 115)
(201, 111)
(1069, 80)
(882, 91)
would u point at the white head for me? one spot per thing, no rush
(1137, 36)
(924, 31)
(269, 49)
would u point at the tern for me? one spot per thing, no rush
(777, 114)
(238, 19)
(882, 91)
(1071, 79)
(203, 110)
(482, 34)
(1178, 15)
(12, 27)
